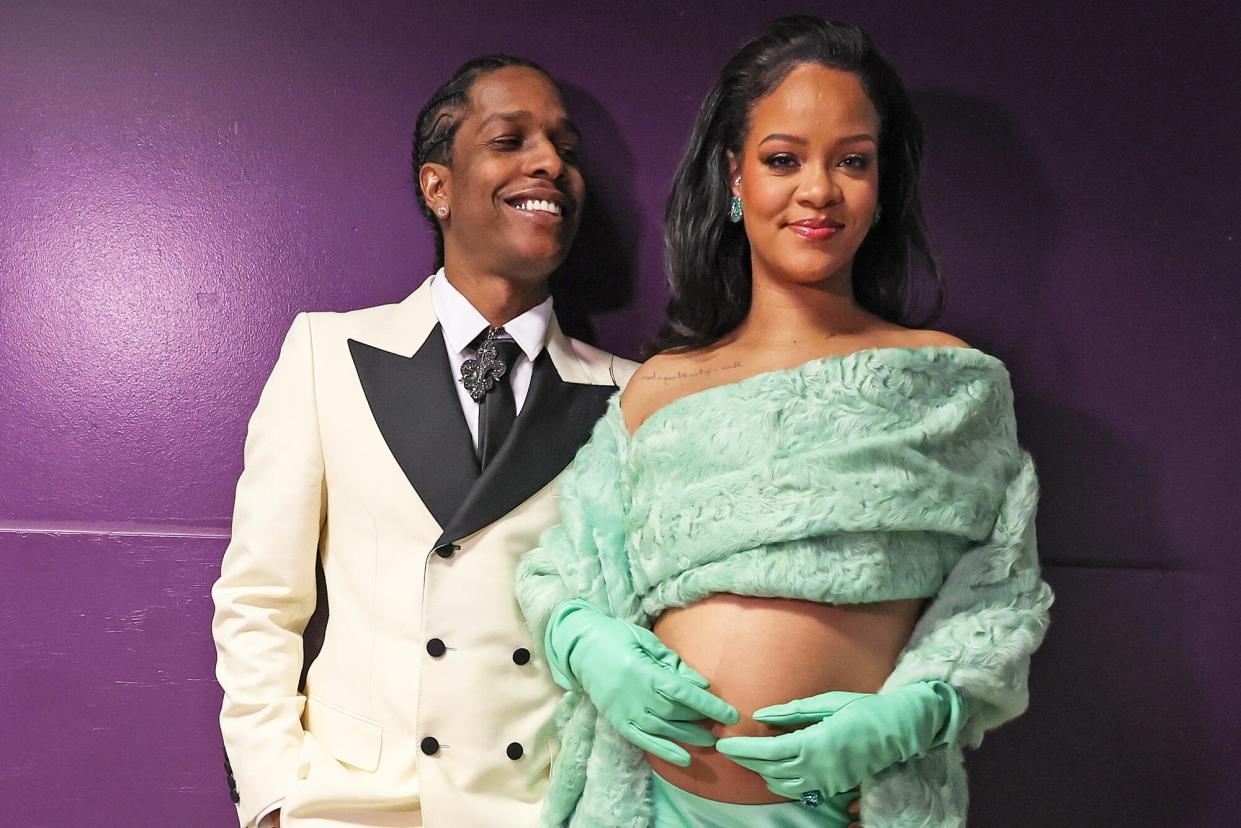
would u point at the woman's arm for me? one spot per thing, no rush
(583, 556)
(977, 635)
(987, 619)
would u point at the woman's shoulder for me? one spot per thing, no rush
(895, 336)
(670, 375)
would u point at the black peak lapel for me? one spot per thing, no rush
(416, 407)
(554, 423)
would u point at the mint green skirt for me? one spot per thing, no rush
(675, 808)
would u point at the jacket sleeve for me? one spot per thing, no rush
(583, 556)
(266, 590)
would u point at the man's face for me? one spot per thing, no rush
(514, 190)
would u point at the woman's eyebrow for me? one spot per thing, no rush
(794, 139)
(780, 136)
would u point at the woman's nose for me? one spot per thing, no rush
(819, 189)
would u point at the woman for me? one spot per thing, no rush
(816, 511)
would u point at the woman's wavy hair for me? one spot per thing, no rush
(440, 118)
(707, 257)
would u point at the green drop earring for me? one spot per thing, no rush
(735, 212)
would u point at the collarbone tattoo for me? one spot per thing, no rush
(681, 375)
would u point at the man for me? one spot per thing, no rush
(412, 451)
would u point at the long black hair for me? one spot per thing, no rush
(708, 258)
(440, 118)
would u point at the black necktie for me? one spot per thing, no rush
(497, 409)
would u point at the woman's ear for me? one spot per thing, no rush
(436, 183)
(734, 172)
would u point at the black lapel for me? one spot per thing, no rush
(554, 423)
(415, 404)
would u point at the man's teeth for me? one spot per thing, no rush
(534, 204)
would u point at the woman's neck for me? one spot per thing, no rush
(786, 313)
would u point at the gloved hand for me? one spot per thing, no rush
(639, 685)
(856, 736)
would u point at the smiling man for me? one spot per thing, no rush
(411, 451)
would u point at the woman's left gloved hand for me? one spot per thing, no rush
(855, 736)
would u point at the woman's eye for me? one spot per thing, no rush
(857, 162)
(781, 161)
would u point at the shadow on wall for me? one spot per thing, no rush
(598, 276)
(1095, 748)
(993, 222)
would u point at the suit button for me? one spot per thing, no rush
(445, 550)
(430, 746)
(233, 795)
(436, 647)
(521, 656)
(515, 751)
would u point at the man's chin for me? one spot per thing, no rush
(534, 265)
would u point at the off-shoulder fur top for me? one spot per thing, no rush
(882, 474)
(842, 480)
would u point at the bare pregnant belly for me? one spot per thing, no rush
(758, 652)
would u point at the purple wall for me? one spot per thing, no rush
(177, 179)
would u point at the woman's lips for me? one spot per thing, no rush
(812, 232)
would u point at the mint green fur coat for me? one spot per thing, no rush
(884, 474)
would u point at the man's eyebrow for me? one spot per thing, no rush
(516, 115)
(521, 115)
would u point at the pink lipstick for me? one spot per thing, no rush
(816, 229)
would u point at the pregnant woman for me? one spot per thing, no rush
(802, 502)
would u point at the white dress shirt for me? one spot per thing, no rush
(461, 323)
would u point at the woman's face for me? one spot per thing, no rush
(514, 191)
(809, 175)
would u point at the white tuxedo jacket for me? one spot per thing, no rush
(424, 706)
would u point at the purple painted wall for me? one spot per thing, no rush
(177, 179)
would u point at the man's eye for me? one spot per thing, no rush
(506, 141)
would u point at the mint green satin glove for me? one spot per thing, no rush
(639, 685)
(855, 736)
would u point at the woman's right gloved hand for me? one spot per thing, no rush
(640, 686)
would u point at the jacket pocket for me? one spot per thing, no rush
(348, 737)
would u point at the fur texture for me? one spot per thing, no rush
(888, 473)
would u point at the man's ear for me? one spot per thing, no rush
(436, 183)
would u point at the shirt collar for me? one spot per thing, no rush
(461, 321)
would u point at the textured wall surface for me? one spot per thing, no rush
(178, 179)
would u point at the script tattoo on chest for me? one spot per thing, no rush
(696, 374)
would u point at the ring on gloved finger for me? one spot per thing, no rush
(812, 799)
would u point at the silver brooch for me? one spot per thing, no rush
(479, 373)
